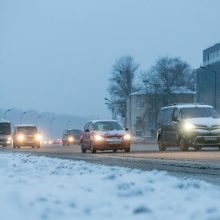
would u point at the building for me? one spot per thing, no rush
(208, 78)
(143, 109)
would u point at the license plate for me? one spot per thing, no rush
(211, 138)
(113, 140)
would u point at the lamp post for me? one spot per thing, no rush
(51, 124)
(5, 113)
(209, 68)
(38, 118)
(21, 116)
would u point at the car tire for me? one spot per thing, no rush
(197, 148)
(83, 150)
(114, 151)
(127, 150)
(93, 150)
(183, 145)
(161, 145)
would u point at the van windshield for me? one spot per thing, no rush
(76, 132)
(199, 113)
(5, 128)
(27, 130)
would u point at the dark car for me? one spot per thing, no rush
(104, 135)
(26, 135)
(188, 125)
(5, 133)
(71, 136)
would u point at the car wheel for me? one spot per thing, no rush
(93, 150)
(161, 145)
(183, 145)
(127, 149)
(197, 148)
(114, 151)
(83, 150)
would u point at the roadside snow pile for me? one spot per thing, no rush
(45, 188)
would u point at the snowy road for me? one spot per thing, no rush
(204, 165)
(49, 189)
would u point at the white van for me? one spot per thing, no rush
(5, 133)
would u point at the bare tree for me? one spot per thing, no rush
(121, 83)
(163, 78)
(169, 74)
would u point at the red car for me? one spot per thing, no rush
(104, 135)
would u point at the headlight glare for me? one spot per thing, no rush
(188, 126)
(38, 137)
(127, 137)
(70, 139)
(20, 137)
(98, 137)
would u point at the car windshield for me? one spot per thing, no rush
(76, 132)
(5, 128)
(199, 113)
(27, 130)
(107, 126)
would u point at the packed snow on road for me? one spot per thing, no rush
(45, 188)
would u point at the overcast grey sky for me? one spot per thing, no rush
(56, 55)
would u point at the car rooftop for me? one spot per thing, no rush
(25, 126)
(188, 106)
(94, 121)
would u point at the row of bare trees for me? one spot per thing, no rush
(167, 75)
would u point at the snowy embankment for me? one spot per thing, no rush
(45, 188)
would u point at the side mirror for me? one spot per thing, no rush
(126, 129)
(87, 130)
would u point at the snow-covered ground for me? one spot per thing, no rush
(44, 188)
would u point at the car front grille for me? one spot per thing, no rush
(207, 140)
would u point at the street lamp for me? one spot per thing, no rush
(51, 124)
(5, 113)
(38, 118)
(21, 116)
(209, 68)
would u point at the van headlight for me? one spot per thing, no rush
(98, 137)
(127, 137)
(9, 140)
(20, 137)
(70, 139)
(187, 126)
(38, 137)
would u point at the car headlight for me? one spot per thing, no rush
(20, 137)
(9, 140)
(188, 126)
(127, 137)
(70, 139)
(38, 137)
(98, 137)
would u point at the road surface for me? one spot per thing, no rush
(203, 164)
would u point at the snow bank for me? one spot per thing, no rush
(45, 188)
